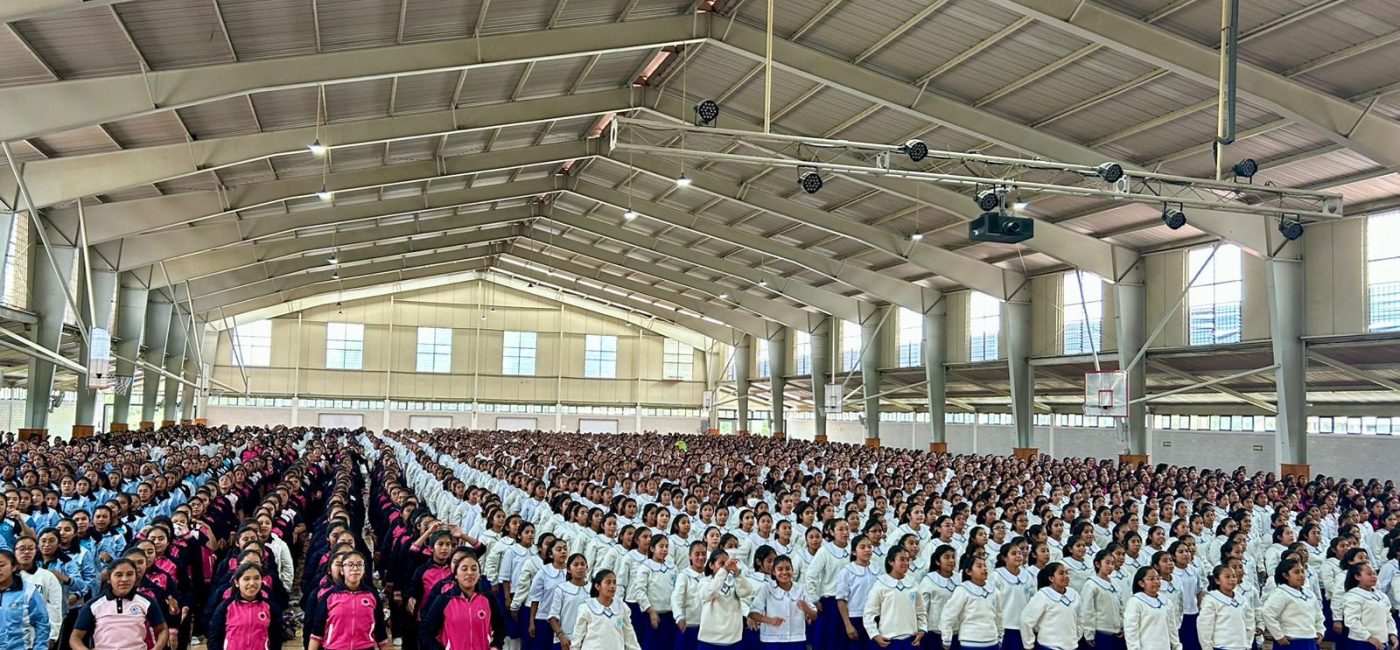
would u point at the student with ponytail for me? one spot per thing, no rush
(1049, 621)
(120, 618)
(721, 596)
(971, 618)
(603, 621)
(23, 614)
(1101, 606)
(566, 601)
(1148, 622)
(1227, 618)
(936, 588)
(685, 598)
(1366, 612)
(248, 620)
(1290, 613)
(820, 582)
(894, 612)
(782, 610)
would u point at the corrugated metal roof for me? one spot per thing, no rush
(80, 44)
(176, 33)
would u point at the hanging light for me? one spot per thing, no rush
(335, 275)
(1020, 206)
(915, 149)
(809, 179)
(1110, 172)
(1291, 229)
(763, 282)
(325, 194)
(1174, 219)
(630, 214)
(331, 260)
(706, 112)
(316, 148)
(724, 296)
(1246, 169)
(988, 199)
(917, 236)
(683, 180)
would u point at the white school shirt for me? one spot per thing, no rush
(654, 582)
(1100, 607)
(1226, 622)
(626, 569)
(1292, 614)
(564, 604)
(722, 610)
(893, 608)
(825, 569)
(854, 585)
(1050, 620)
(1079, 572)
(685, 597)
(523, 580)
(1389, 582)
(1013, 592)
(604, 628)
(774, 601)
(495, 556)
(1188, 580)
(935, 591)
(1148, 624)
(972, 615)
(542, 586)
(1366, 615)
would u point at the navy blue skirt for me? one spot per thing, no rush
(907, 643)
(662, 637)
(689, 639)
(1011, 639)
(1108, 641)
(829, 631)
(784, 645)
(1305, 644)
(1190, 637)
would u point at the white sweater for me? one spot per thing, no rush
(936, 592)
(1225, 622)
(821, 574)
(1149, 624)
(1049, 620)
(564, 605)
(1291, 614)
(894, 609)
(654, 583)
(972, 615)
(685, 597)
(604, 628)
(1013, 592)
(1100, 607)
(1367, 615)
(721, 611)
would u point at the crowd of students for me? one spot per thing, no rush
(483, 540)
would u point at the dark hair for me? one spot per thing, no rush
(939, 552)
(710, 561)
(1101, 556)
(246, 567)
(1139, 576)
(1354, 575)
(1213, 582)
(1043, 579)
(892, 555)
(598, 579)
(1281, 572)
(760, 554)
(965, 566)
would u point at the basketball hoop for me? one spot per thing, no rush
(121, 384)
(1106, 394)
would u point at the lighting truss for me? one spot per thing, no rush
(1134, 186)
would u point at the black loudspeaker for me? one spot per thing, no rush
(1001, 229)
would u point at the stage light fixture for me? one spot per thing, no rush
(1110, 172)
(1291, 229)
(809, 179)
(706, 112)
(1174, 218)
(316, 148)
(988, 199)
(763, 282)
(915, 149)
(724, 296)
(1246, 168)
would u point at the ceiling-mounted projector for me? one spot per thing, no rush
(1001, 228)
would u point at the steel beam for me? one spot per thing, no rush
(1359, 129)
(1354, 371)
(966, 270)
(1243, 397)
(59, 180)
(176, 348)
(38, 109)
(898, 291)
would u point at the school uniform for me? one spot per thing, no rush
(564, 605)
(774, 601)
(722, 610)
(1101, 613)
(1148, 624)
(820, 582)
(1013, 592)
(972, 617)
(1294, 615)
(894, 610)
(1367, 615)
(1079, 572)
(853, 586)
(686, 606)
(654, 583)
(1049, 621)
(541, 588)
(600, 627)
(935, 590)
(1226, 622)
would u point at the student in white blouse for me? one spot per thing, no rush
(782, 610)
(1148, 622)
(1049, 621)
(1290, 614)
(721, 606)
(685, 598)
(567, 598)
(1014, 584)
(655, 580)
(1227, 619)
(936, 588)
(853, 587)
(894, 612)
(819, 581)
(1366, 612)
(972, 615)
(603, 622)
(1101, 606)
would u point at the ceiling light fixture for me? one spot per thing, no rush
(1110, 172)
(915, 149)
(325, 194)
(316, 148)
(917, 236)
(630, 214)
(809, 179)
(683, 180)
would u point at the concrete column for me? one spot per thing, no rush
(821, 370)
(1016, 325)
(104, 287)
(194, 338)
(1131, 296)
(935, 356)
(1290, 353)
(870, 372)
(175, 350)
(777, 378)
(49, 304)
(155, 334)
(131, 322)
(715, 363)
(743, 368)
